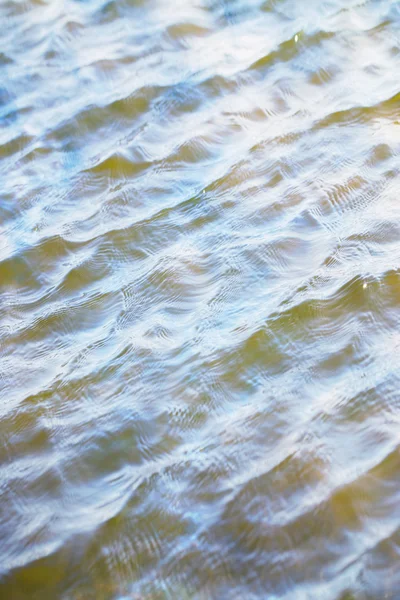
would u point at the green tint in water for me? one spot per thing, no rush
(199, 300)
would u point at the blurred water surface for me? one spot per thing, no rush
(199, 299)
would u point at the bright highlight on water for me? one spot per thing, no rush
(199, 300)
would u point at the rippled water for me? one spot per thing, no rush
(200, 291)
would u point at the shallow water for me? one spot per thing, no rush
(199, 309)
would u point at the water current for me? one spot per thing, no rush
(199, 299)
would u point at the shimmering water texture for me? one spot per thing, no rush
(199, 300)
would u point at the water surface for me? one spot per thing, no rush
(199, 299)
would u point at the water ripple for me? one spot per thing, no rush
(199, 291)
